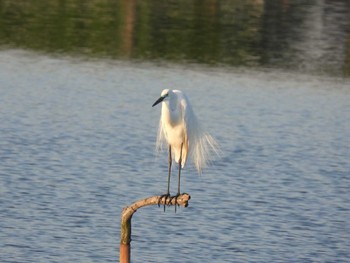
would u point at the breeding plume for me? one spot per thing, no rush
(179, 128)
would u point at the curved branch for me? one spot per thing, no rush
(152, 200)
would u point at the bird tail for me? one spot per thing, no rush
(203, 146)
(201, 151)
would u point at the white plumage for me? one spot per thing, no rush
(178, 124)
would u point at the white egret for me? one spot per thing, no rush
(180, 129)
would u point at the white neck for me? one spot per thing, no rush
(171, 112)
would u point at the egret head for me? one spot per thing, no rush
(164, 95)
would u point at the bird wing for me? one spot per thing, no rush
(186, 120)
(199, 143)
(193, 131)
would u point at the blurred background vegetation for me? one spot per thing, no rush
(311, 35)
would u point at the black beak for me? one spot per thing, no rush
(158, 101)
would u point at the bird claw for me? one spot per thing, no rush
(175, 197)
(166, 197)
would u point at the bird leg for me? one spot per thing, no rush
(167, 195)
(178, 182)
(180, 166)
(170, 159)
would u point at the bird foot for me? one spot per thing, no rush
(175, 197)
(166, 198)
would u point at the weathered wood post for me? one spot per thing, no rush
(127, 213)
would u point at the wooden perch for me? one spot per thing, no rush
(127, 213)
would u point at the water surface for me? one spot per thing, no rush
(77, 142)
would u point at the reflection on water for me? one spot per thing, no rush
(77, 144)
(310, 36)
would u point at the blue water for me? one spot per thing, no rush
(77, 144)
